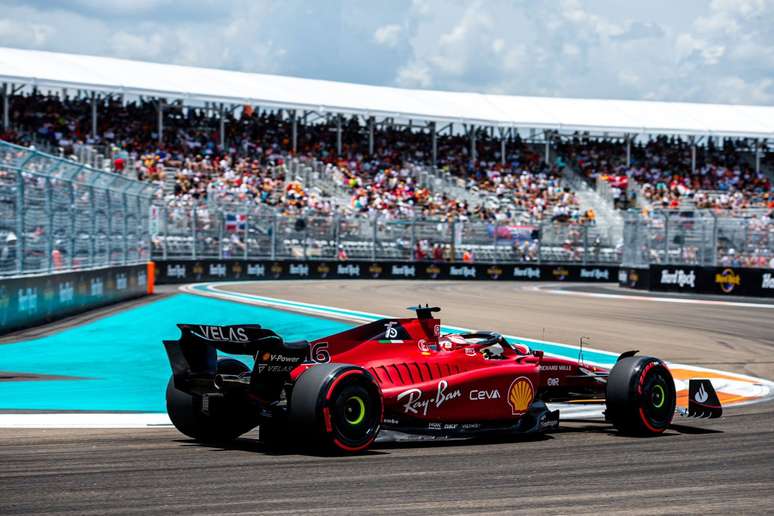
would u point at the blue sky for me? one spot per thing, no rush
(706, 51)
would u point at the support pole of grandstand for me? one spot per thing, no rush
(693, 154)
(93, 115)
(160, 110)
(222, 127)
(473, 142)
(502, 146)
(5, 107)
(434, 132)
(758, 145)
(371, 123)
(338, 135)
(547, 135)
(294, 131)
(628, 150)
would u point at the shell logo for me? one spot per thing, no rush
(266, 356)
(520, 395)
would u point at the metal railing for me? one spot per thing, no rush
(698, 237)
(252, 231)
(57, 214)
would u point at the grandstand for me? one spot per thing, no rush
(256, 165)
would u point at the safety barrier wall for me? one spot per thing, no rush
(187, 271)
(31, 300)
(734, 281)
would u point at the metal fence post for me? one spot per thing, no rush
(193, 232)
(93, 232)
(666, 238)
(540, 242)
(126, 228)
(373, 247)
(165, 218)
(494, 241)
(714, 239)
(73, 229)
(413, 223)
(274, 235)
(220, 216)
(20, 215)
(336, 235)
(247, 224)
(109, 212)
(585, 243)
(50, 223)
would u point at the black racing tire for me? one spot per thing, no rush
(337, 406)
(228, 418)
(640, 396)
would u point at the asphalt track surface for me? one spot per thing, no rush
(717, 466)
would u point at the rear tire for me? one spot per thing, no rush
(228, 418)
(640, 396)
(338, 406)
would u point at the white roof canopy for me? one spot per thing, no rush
(50, 69)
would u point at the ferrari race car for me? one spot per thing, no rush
(402, 375)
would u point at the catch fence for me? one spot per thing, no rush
(57, 215)
(699, 237)
(253, 232)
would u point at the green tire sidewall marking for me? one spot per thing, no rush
(361, 411)
(663, 396)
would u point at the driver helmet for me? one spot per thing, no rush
(451, 341)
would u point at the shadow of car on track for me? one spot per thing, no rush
(392, 441)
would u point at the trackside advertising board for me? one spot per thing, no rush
(235, 270)
(32, 300)
(701, 280)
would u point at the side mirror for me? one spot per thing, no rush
(538, 353)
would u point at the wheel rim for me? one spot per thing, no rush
(354, 410)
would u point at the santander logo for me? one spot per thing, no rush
(701, 395)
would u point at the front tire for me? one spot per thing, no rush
(640, 396)
(338, 406)
(228, 418)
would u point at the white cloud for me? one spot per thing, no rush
(718, 52)
(388, 35)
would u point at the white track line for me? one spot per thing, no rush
(84, 420)
(738, 304)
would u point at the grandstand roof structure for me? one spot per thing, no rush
(186, 83)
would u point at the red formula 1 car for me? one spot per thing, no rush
(402, 375)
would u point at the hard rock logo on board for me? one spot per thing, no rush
(727, 280)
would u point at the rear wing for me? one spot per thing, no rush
(194, 356)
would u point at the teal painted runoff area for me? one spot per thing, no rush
(122, 358)
(122, 362)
